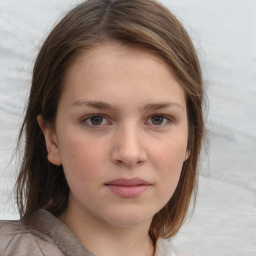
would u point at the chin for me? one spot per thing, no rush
(129, 219)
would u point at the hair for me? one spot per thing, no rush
(140, 23)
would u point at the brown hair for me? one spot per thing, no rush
(142, 23)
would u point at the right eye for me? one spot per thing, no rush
(159, 120)
(95, 120)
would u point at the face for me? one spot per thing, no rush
(120, 133)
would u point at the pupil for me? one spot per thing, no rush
(157, 120)
(96, 120)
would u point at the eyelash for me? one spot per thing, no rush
(88, 120)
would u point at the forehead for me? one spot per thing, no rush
(110, 67)
(113, 52)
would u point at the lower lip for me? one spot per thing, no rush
(128, 191)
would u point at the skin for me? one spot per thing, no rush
(140, 131)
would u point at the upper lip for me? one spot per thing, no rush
(128, 182)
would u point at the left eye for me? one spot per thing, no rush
(96, 120)
(158, 120)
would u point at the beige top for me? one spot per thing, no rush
(44, 234)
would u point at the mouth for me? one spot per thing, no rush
(128, 188)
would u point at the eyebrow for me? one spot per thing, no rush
(94, 104)
(159, 106)
(103, 105)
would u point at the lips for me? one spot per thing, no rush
(128, 188)
(128, 182)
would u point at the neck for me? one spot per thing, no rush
(106, 240)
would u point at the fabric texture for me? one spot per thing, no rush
(44, 234)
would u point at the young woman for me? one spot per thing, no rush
(113, 132)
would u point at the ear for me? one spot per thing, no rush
(50, 141)
(187, 155)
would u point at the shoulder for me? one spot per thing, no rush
(165, 248)
(17, 239)
(40, 234)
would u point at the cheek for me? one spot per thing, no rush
(169, 159)
(82, 161)
(170, 154)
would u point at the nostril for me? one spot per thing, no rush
(129, 163)
(119, 161)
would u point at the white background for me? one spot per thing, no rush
(224, 32)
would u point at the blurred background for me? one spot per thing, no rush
(224, 33)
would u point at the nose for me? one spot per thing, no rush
(128, 147)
